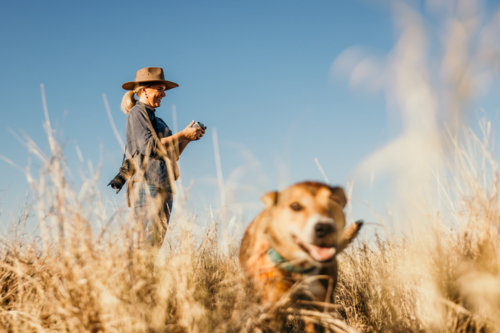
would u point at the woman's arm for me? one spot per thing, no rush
(174, 139)
(139, 136)
(183, 137)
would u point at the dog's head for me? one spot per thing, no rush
(306, 223)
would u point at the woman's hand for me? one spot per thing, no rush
(191, 133)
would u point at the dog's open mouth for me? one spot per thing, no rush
(318, 253)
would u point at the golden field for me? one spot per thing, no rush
(84, 272)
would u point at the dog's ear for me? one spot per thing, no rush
(270, 199)
(349, 234)
(338, 195)
(352, 231)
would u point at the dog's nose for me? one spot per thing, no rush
(323, 229)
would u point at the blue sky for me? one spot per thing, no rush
(258, 71)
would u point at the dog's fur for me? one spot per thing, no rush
(305, 225)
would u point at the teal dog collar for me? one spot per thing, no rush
(282, 263)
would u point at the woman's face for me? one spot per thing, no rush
(154, 94)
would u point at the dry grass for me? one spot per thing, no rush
(444, 279)
(84, 271)
(78, 277)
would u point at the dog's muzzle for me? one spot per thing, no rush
(322, 229)
(318, 238)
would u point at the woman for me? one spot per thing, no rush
(155, 154)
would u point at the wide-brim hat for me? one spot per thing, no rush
(149, 74)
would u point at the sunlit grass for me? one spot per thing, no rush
(88, 272)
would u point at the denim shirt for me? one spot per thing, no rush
(141, 141)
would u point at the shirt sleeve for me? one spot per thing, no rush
(144, 141)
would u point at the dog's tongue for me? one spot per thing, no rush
(320, 253)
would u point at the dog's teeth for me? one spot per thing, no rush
(332, 250)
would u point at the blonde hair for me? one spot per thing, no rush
(128, 100)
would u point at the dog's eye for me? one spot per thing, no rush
(296, 206)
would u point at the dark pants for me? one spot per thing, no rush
(153, 205)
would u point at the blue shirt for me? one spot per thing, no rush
(141, 141)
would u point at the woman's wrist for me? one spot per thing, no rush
(179, 137)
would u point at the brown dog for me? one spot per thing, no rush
(298, 235)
